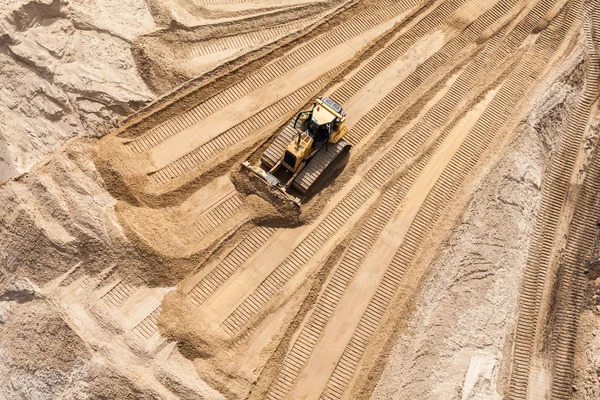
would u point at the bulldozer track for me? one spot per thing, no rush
(386, 57)
(299, 257)
(227, 2)
(218, 214)
(148, 327)
(229, 265)
(377, 176)
(581, 237)
(555, 188)
(248, 39)
(366, 73)
(341, 277)
(571, 295)
(470, 151)
(417, 80)
(307, 51)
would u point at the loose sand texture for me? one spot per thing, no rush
(450, 253)
(66, 70)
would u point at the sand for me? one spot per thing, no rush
(450, 253)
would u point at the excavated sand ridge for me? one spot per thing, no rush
(452, 253)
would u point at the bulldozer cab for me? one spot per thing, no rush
(321, 121)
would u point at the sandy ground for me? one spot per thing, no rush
(66, 70)
(137, 263)
(460, 333)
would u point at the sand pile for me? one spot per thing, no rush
(66, 70)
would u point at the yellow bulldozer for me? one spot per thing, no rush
(304, 149)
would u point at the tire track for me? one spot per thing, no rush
(450, 180)
(148, 327)
(418, 80)
(581, 237)
(382, 61)
(420, 77)
(239, 133)
(248, 39)
(118, 295)
(228, 2)
(349, 265)
(229, 265)
(217, 215)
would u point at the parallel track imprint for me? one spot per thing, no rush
(229, 265)
(370, 121)
(239, 133)
(449, 183)
(353, 27)
(375, 178)
(217, 215)
(148, 326)
(228, 2)
(581, 236)
(334, 290)
(246, 40)
(118, 294)
(555, 188)
(450, 180)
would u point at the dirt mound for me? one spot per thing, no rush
(36, 337)
(68, 71)
(268, 206)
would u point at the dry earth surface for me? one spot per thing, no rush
(452, 253)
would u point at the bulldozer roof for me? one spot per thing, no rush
(322, 116)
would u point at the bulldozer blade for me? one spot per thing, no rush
(271, 182)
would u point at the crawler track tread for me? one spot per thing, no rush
(218, 214)
(148, 327)
(229, 265)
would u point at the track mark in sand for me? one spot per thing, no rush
(357, 25)
(271, 92)
(118, 294)
(482, 134)
(581, 236)
(367, 123)
(218, 214)
(148, 326)
(406, 149)
(492, 120)
(227, 2)
(422, 74)
(249, 5)
(299, 257)
(418, 79)
(245, 40)
(229, 265)
(238, 133)
(393, 51)
(357, 275)
(328, 300)
(555, 191)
